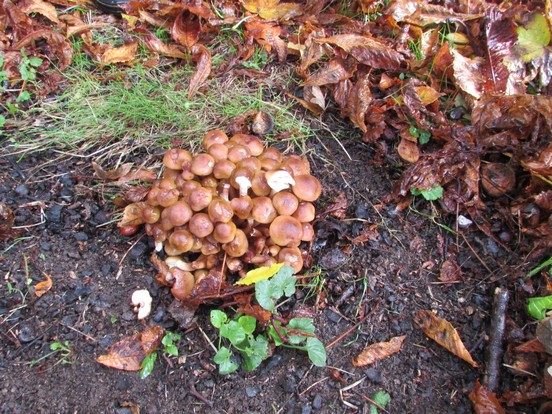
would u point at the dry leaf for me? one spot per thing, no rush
(333, 72)
(42, 287)
(121, 54)
(442, 332)
(128, 353)
(427, 94)
(203, 57)
(377, 352)
(154, 44)
(48, 10)
(6, 222)
(113, 174)
(408, 151)
(272, 9)
(186, 29)
(484, 401)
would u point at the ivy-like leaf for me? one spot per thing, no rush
(224, 361)
(381, 398)
(284, 281)
(301, 324)
(147, 365)
(233, 331)
(265, 295)
(316, 351)
(256, 353)
(218, 318)
(537, 307)
(248, 323)
(431, 194)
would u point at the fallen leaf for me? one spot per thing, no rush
(42, 287)
(128, 353)
(377, 352)
(202, 56)
(48, 10)
(534, 345)
(272, 9)
(121, 54)
(533, 37)
(450, 272)
(484, 401)
(113, 174)
(6, 222)
(154, 44)
(427, 94)
(333, 72)
(186, 29)
(261, 273)
(442, 332)
(338, 206)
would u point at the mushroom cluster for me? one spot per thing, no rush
(236, 205)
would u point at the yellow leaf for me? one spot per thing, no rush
(261, 273)
(42, 287)
(272, 9)
(427, 94)
(120, 54)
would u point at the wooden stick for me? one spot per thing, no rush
(494, 349)
(352, 328)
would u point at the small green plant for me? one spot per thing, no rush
(381, 398)
(169, 348)
(431, 194)
(423, 136)
(27, 70)
(63, 352)
(295, 333)
(538, 307)
(258, 60)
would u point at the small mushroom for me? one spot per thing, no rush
(177, 214)
(305, 212)
(291, 256)
(279, 180)
(306, 187)
(285, 203)
(218, 151)
(200, 225)
(141, 300)
(184, 282)
(286, 231)
(215, 136)
(262, 210)
(200, 198)
(202, 165)
(174, 158)
(238, 246)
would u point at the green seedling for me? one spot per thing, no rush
(297, 333)
(258, 60)
(537, 307)
(169, 349)
(381, 398)
(63, 352)
(27, 70)
(431, 194)
(539, 268)
(423, 136)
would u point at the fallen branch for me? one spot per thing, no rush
(494, 349)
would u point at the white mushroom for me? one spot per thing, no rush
(141, 300)
(279, 180)
(176, 261)
(244, 183)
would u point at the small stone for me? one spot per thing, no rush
(45, 246)
(22, 190)
(27, 332)
(158, 315)
(317, 402)
(333, 259)
(306, 409)
(373, 375)
(81, 236)
(83, 291)
(138, 250)
(252, 391)
(334, 317)
(54, 213)
(290, 384)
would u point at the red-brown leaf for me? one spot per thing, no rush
(334, 72)
(6, 222)
(484, 401)
(128, 353)
(186, 29)
(154, 44)
(121, 54)
(202, 56)
(442, 332)
(367, 50)
(42, 287)
(377, 352)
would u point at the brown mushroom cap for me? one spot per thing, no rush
(307, 187)
(200, 198)
(297, 164)
(215, 136)
(150, 214)
(218, 152)
(262, 210)
(200, 225)
(291, 256)
(202, 165)
(183, 283)
(308, 232)
(252, 142)
(220, 210)
(181, 240)
(251, 163)
(305, 212)
(238, 246)
(285, 203)
(174, 158)
(167, 198)
(259, 185)
(223, 169)
(286, 231)
(224, 232)
(238, 152)
(242, 207)
(178, 214)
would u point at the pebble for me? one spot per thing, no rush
(272, 363)
(22, 190)
(373, 375)
(158, 315)
(290, 384)
(138, 250)
(317, 402)
(252, 391)
(332, 316)
(306, 409)
(27, 332)
(45, 246)
(83, 291)
(333, 259)
(81, 236)
(101, 217)
(54, 213)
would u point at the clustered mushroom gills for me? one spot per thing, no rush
(237, 204)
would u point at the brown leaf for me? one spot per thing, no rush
(202, 56)
(359, 101)
(41, 7)
(484, 401)
(121, 54)
(367, 50)
(408, 151)
(333, 72)
(423, 14)
(154, 44)
(469, 73)
(186, 29)
(6, 222)
(450, 272)
(132, 215)
(267, 35)
(338, 207)
(315, 108)
(442, 332)
(113, 174)
(128, 353)
(272, 9)
(377, 352)
(427, 94)
(42, 287)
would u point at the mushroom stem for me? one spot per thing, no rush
(224, 194)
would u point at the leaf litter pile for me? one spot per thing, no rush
(455, 92)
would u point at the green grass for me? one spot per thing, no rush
(142, 107)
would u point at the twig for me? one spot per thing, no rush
(371, 402)
(80, 332)
(120, 269)
(310, 387)
(352, 328)
(494, 349)
(207, 339)
(200, 397)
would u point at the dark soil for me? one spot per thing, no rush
(64, 232)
